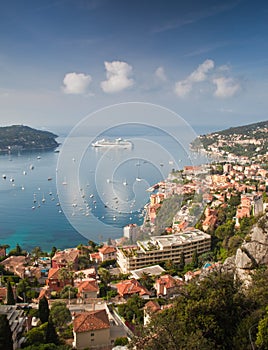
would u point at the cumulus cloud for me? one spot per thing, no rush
(200, 74)
(183, 87)
(160, 74)
(76, 83)
(117, 74)
(225, 87)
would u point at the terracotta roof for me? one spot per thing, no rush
(107, 250)
(91, 321)
(152, 306)
(131, 287)
(53, 272)
(65, 256)
(88, 286)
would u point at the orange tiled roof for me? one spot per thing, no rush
(53, 272)
(91, 321)
(107, 250)
(65, 256)
(131, 287)
(88, 286)
(152, 306)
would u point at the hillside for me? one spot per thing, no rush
(20, 137)
(248, 140)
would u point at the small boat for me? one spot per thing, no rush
(138, 179)
(43, 199)
(24, 172)
(49, 179)
(38, 157)
(125, 183)
(4, 176)
(11, 179)
(31, 167)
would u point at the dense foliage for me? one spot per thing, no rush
(212, 313)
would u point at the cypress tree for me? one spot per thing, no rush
(51, 334)
(195, 260)
(6, 342)
(43, 310)
(10, 295)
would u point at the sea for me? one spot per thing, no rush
(77, 192)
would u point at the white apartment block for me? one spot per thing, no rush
(163, 248)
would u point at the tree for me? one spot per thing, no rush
(53, 251)
(81, 275)
(37, 252)
(10, 295)
(6, 342)
(204, 316)
(51, 334)
(182, 261)
(43, 309)
(195, 261)
(60, 315)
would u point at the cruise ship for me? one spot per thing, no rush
(119, 142)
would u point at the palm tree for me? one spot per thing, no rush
(80, 275)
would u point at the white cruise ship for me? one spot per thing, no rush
(119, 142)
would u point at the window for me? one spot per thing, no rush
(92, 334)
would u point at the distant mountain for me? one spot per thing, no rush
(248, 140)
(20, 137)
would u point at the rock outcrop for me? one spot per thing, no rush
(252, 253)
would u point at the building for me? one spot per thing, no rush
(131, 232)
(163, 248)
(87, 289)
(66, 258)
(107, 253)
(166, 286)
(91, 330)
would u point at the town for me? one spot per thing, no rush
(97, 296)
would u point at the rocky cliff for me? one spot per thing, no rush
(252, 253)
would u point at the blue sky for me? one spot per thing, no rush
(63, 59)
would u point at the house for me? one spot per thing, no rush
(167, 286)
(15, 264)
(127, 288)
(150, 308)
(107, 253)
(3, 294)
(91, 330)
(87, 289)
(66, 258)
(54, 281)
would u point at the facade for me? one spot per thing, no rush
(163, 248)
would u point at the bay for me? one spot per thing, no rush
(37, 210)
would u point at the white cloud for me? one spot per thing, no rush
(184, 87)
(160, 74)
(225, 87)
(117, 74)
(200, 74)
(76, 83)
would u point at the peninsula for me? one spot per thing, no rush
(21, 137)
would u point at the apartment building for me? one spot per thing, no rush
(163, 248)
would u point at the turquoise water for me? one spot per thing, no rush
(37, 210)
